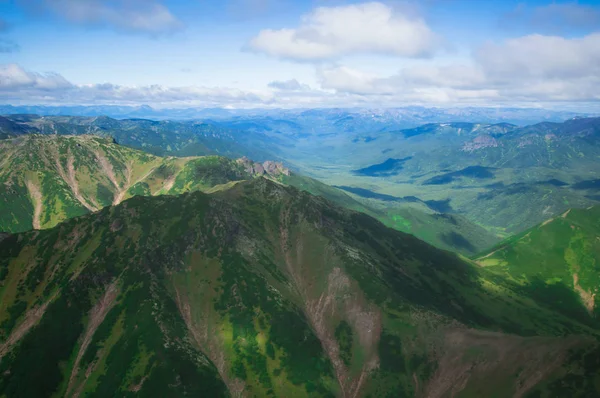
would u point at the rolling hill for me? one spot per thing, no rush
(264, 290)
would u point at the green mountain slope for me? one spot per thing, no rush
(560, 257)
(47, 179)
(162, 138)
(264, 290)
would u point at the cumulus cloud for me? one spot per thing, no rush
(136, 16)
(331, 32)
(530, 68)
(344, 79)
(288, 85)
(14, 78)
(538, 56)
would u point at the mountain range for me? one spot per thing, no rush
(485, 173)
(264, 290)
(416, 115)
(337, 261)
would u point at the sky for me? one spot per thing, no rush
(300, 53)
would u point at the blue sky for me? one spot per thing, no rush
(283, 53)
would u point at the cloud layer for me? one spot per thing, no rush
(19, 85)
(331, 32)
(540, 68)
(530, 68)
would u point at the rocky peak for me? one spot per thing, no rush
(269, 167)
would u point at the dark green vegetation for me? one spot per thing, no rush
(265, 290)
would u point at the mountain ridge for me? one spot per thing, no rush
(265, 290)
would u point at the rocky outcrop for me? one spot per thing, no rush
(269, 167)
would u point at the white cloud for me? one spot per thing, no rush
(331, 32)
(344, 79)
(141, 16)
(537, 56)
(21, 86)
(288, 85)
(530, 68)
(13, 78)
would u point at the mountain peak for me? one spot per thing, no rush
(268, 167)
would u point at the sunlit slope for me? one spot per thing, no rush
(47, 179)
(559, 258)
(264, 290)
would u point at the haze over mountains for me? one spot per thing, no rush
(410, 115)
(485, 172)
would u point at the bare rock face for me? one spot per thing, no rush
(275, 168)
(258, 169)
(269, 167)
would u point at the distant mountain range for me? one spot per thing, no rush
(485, 173)
(410, 115)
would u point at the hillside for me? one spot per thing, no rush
(561, 257)
(264, 290)
(162, 138)
(47, 179)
